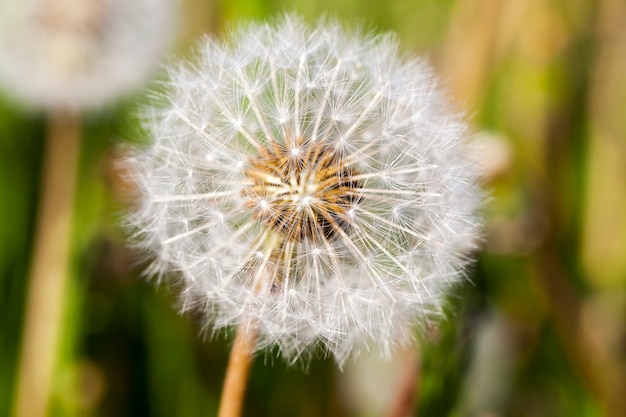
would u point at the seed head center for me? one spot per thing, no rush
(303, 191)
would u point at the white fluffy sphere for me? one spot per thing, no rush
(80, 53)
(309, 181)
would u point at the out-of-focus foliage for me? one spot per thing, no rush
(539, 331)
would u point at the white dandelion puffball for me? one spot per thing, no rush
(308, 181)
(79, 53)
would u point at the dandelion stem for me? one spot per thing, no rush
(237, 372)
(404, 401)
(49, 268)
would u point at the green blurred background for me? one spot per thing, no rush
(539, 331)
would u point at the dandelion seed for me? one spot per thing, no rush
(348, 203)
(79, 53)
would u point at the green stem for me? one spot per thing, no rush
(49, 267)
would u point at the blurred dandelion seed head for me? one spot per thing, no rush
(311, 182)
(80, 53)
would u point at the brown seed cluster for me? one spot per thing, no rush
(82, 17)
(302, 189)
(73, 27)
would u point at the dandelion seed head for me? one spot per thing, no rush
(331, 203)
(80, 53)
